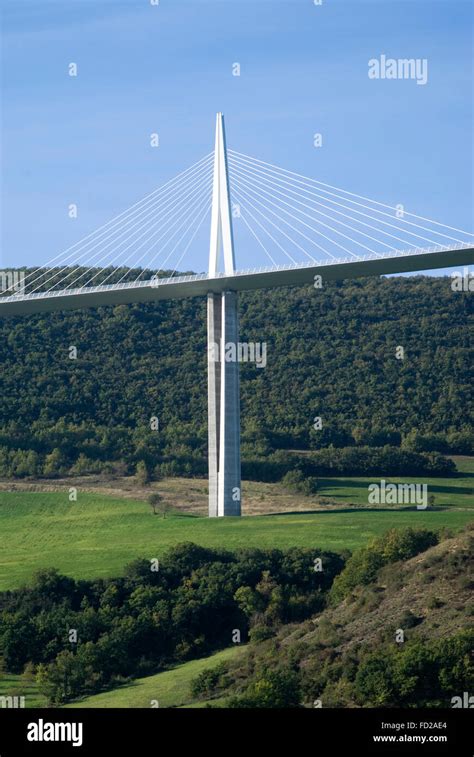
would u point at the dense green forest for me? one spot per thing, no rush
(331, 353)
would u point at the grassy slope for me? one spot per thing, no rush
(435, 590)
(170, 689)
(98, 535)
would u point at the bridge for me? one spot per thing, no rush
(288, 216)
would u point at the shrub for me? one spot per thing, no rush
(207, 681)
(296, 481)
(270, 689)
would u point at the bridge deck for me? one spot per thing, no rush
(263, 278)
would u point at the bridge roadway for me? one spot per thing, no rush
(262, 278)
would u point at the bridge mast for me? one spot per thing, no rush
(222, 330)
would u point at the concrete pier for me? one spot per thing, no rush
(223, 405)
(214, 309)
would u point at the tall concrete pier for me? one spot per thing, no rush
(223, 366)
(223, 406)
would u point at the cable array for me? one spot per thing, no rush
(294, 219)
(156, 231)
(303, 217)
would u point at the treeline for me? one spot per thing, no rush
(68, 450)
(106, 388)
(351, 461)
(358, 461)
(79, 637)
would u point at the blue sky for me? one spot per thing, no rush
(168, 69)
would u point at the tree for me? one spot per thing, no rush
(25, 463)
(142, 473)
(158, 504)
(54, 463)
(62, 679)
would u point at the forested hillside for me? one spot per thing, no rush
(396, 632)
(330, 353)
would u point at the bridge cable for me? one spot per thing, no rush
(353, 194)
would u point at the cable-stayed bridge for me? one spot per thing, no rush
(302, 227)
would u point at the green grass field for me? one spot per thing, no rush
(97, 535)
(455, 492)
(170, 688)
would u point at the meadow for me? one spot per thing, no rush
(97, 535)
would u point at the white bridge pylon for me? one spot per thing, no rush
(222, 330)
